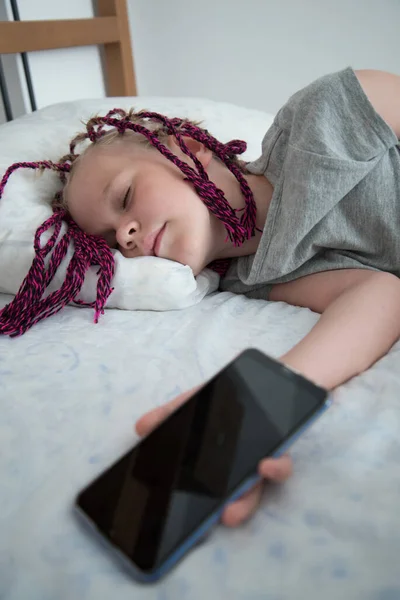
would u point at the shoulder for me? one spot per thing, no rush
(383, 91)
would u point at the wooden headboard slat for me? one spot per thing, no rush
(119, 70)
(109, 29)
(30, 36)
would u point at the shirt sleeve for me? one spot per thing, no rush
(328, 155)
(333, 117)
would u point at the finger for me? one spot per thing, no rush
(154, 417)
(242, 509)
(276, 469)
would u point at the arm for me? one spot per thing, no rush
(360, 309)
(360, 322)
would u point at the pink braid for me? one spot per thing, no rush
(28, 307)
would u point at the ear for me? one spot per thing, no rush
(200, 151)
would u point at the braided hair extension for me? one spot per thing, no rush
(30, 304)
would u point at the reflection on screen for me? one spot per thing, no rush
(162, 490)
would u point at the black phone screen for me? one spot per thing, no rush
(162, 490)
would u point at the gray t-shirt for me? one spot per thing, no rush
(335, 167)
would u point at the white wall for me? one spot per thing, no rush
(251, 52)
(257, 52)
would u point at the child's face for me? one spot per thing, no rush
(137, 199)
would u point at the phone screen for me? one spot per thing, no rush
(162, 490)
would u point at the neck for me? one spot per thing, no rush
(262, 190)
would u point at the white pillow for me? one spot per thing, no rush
(143, 283)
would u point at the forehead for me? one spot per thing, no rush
(98, 170)
(91, 173)
(94, 168)
(99, 160)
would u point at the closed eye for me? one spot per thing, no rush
(126, 197)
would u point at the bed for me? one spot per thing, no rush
(71, 391)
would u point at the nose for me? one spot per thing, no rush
(126, 235)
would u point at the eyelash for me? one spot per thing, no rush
(125, 200)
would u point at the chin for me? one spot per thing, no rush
(196, 267)
(195, 264)
(187, 259)
(196, 271)
(186, 263)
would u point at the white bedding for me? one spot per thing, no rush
(70, 393)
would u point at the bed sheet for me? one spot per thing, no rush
(70, 393)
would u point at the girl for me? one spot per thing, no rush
(319, 229)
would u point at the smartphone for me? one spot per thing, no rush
(162, 497)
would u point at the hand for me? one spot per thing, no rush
(273, 469)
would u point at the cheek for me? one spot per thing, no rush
(173, 191)
(155, 199)
(188, 241)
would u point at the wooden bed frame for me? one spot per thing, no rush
(110, 29)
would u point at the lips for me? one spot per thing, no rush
(157, 243)
(151, 244)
